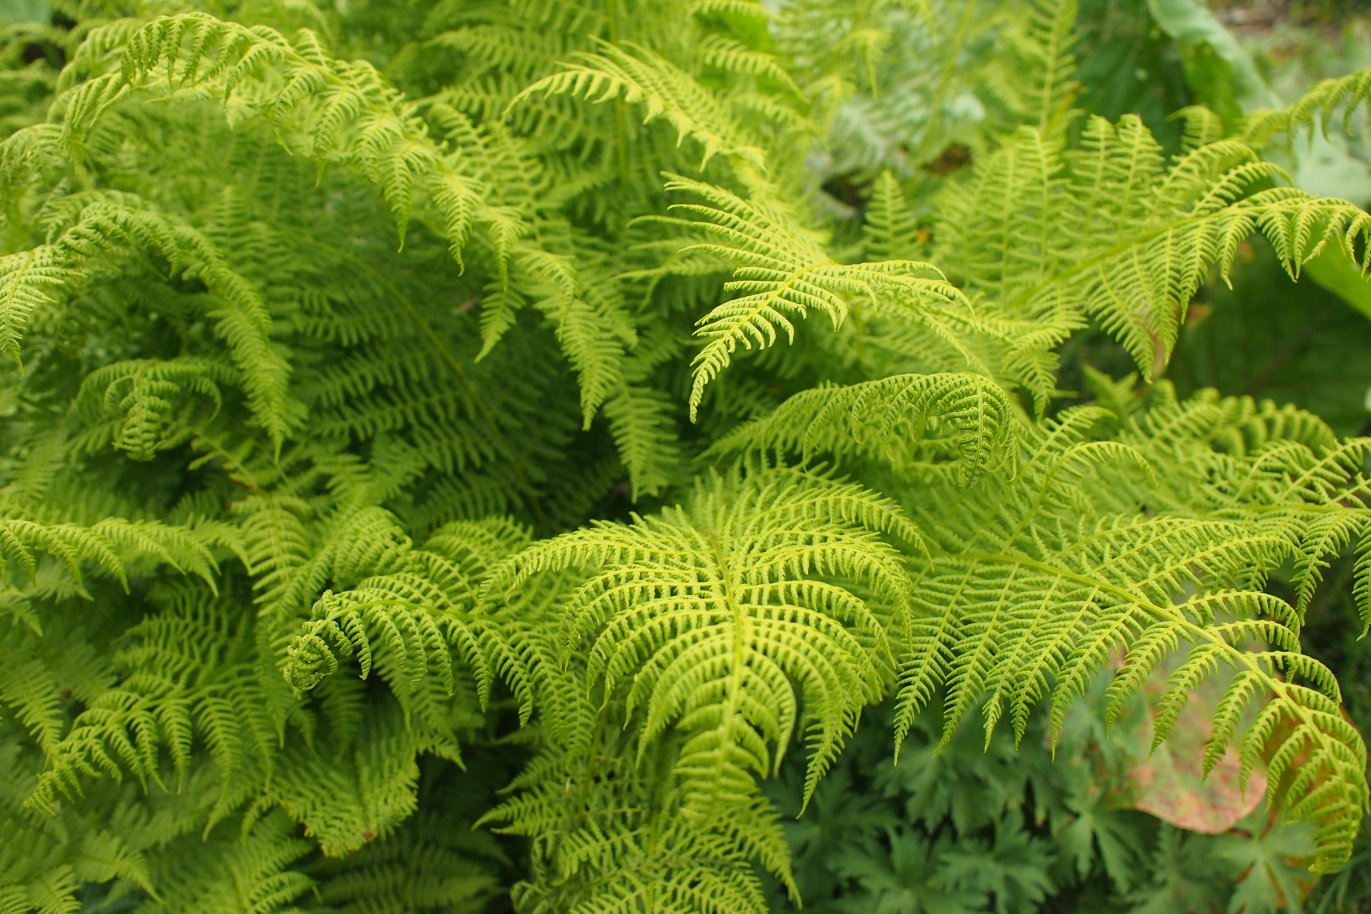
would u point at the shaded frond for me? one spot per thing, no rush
(1031, 602)
(99, 242)
(406, 625)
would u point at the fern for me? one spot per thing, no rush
(714, 638)
(368, 540)
(1014, 614)
(784, 273)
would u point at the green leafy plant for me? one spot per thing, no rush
(408, 502)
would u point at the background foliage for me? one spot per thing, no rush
(471, 455)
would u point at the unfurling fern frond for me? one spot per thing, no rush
(155, 403)
(710, 617)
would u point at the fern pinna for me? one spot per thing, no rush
(399, 439)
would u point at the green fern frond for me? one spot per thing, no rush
(1316, 107)
(1035, 78)
(606, 839)
(1032, 602)
(890, 229)
(753, 604)
(405, 625)
(637, 75)
(111, 543)
(1155, 233)
(257, 868)
(185, 680)
(888, 419)
(358, 785)
(98, 241)
(433, 863)
(641, 421)
(154, 403)
(353, 115)
(589, 320)
(785, 274)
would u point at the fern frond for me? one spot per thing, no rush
(615, 841)
(1316, 107)
(186, 685)
(890, 229)
(785, 274)
(257, 868)
(1035, 78)
(1155, 234)
(110, 543)
(1034, 599)
(98, 242)
(352, 114)
(641, 421)
(154, 402)
(406, 625)
(752, 603)
(638, 75)
(887, 419)
(358, 784)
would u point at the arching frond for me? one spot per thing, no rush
(1142, 237)
(784, 274)
(1031, 602)
(1317, 107)
(759, 596)
(637, 75)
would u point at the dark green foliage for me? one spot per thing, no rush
(424, 486)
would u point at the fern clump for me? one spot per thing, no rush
(426, 484)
